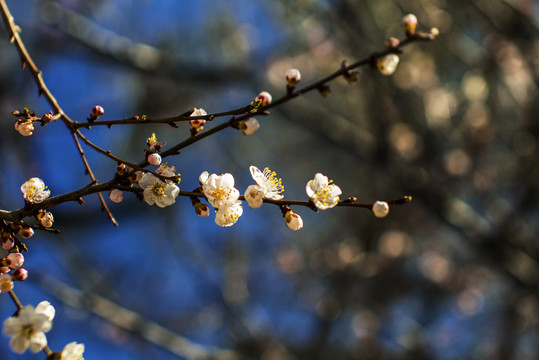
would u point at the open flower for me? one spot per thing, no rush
(34, 190)
(73, 351)
(268, 186)
(229, 214)
(28, 328)
(219, 189)
(322, 192)
(158, 192)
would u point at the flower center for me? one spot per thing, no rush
(158, 190)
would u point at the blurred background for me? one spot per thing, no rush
(452, 275)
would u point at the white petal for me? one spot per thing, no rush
(12, 326)
(147, 179)
(38, 341)
(19, 344)
(257, 175)
(46, 309)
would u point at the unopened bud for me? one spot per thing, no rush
(249, 126)
(45, 218)
(14, 260)
(26, 232)
(388, 64)
(24, 127)
(380, 209)
(392, 43)
(265, 98)
(324, 90)
(202, 210)
(293, 77)
(20, 275)
(154, 159)
(97, 112)
(116, 195)
(409, 23)
(293, 220)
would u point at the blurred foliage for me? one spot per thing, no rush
(453, 275)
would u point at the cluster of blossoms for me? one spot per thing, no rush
(223, 196)
(28, 327)
(13, 261)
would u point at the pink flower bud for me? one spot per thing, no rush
(380, 209)
(409, 23)
(7, 243)
(116, 195)
(293, 220)
(26, 233)
(265, 98)
(15, 260)
(4, 270)
(293, 77)
(24, 127)
(20, 275)
(97, 112)
(154, 159)
(249, 126)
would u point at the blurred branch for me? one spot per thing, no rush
(133, 322)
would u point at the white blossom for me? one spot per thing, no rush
(254, 196)
(271, 185)
(228, 215)
(28, 328)
(322, 192)
(34, 190)
(158, 192)
(219, 189)
(73, 351)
